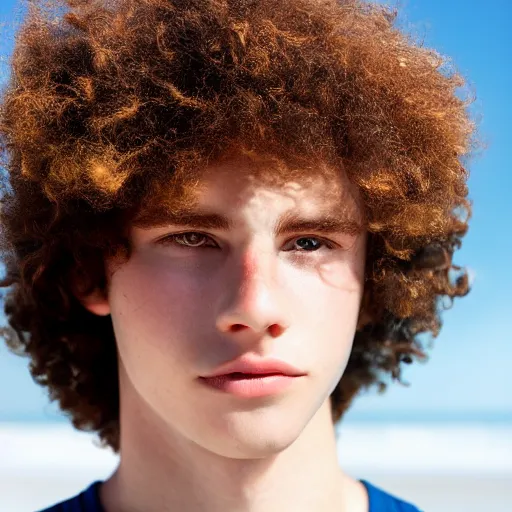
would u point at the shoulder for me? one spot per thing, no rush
(381, 501)
(87, 501)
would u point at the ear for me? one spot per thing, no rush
(366, 313)
(93, 299)
(95, 302)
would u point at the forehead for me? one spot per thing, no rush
(235, 184)
(241, 184)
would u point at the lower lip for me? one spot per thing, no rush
(252, 386)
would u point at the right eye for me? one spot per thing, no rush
(190, 239)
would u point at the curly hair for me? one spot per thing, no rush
(112, 102)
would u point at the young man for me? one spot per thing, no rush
(221, 221)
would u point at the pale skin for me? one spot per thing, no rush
(275, 277)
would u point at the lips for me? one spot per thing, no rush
(247, 366)
(252, 377)
(238, 375)
(249, 386)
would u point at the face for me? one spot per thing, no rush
(251, 269)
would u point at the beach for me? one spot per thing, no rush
(440, 468)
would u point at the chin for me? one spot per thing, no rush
(260, 447)
(257, 435)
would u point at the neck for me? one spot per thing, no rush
(162, 471)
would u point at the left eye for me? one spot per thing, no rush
(308, 244)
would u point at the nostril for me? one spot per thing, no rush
(275, 330)
(237, 327)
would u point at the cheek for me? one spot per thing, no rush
(157, 328)
(325, 308)
(334, 329)
(331, 314)
(332, 291)
(153, 303)
(149, 282)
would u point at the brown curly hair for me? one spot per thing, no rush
(112, 102)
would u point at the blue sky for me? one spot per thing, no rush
(469, 371)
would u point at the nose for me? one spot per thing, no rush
(252, 305)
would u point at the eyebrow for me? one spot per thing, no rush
(327, 224)
(199, 220)
(289, 223)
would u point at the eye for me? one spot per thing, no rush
(308, 244)
(191, 239)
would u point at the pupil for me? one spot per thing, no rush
(308, 244)
(193, 238)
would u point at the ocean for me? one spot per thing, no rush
(456, 466)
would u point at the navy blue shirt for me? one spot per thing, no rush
(89, 501)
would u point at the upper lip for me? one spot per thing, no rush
(256, 366)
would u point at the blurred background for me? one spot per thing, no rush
(445, 441)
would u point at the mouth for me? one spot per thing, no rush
(250, 385)
(240, 375)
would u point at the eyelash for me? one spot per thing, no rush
(172, 240)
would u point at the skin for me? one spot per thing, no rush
(184, 304)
